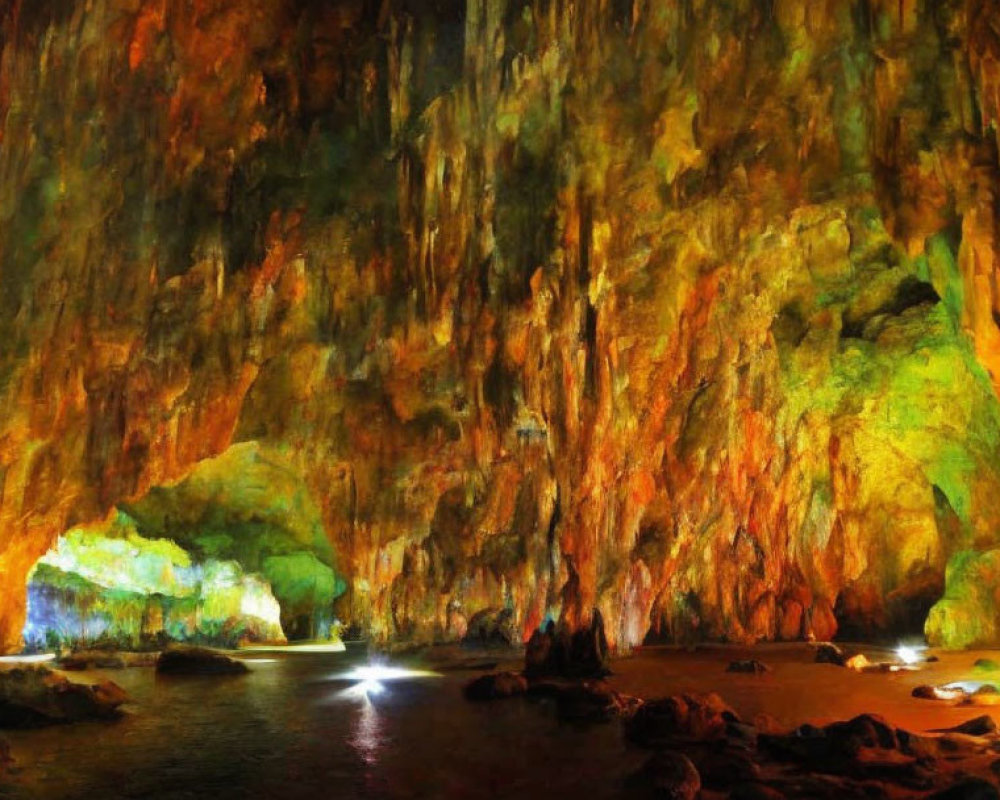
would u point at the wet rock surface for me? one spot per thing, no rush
(668, 775)
(830, 654)
(701, 747)
(496, 686)
(37, 696)
(197, 661)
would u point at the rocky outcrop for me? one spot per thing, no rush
(186, 660)
(681, 311)
(35, 696)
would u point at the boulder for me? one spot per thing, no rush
(827, 653)
(178, 660)
(670, 775)
(585, 701)
(978, 726)
(496, 686)
(36, 696)
(925, 692)
(664, 721)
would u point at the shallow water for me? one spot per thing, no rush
(290, 730)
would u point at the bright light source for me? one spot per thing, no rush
(909, 654)
(370, 678)
(377, 672)
(34, 659)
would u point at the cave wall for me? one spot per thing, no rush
(679, 309)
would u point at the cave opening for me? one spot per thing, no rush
(234, 554)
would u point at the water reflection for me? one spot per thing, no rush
(367, 738)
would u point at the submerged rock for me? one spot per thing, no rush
(496, 686)
(660, 722)
(585, 701)
(178, 660)
(752, 666)
(36, 696)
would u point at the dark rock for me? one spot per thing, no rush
(558, 653)
(939, 693)
(669, 775)
(741, 734)
(539, 653)
(751, 665)
(987, 688)
(663, 721)
(830, 654)
(864, 730)
(722, 767)
(497, 686)
(755, 791)
(178, 660)
(35, 696)
(968, 789)
(592, 701)
(986, 665)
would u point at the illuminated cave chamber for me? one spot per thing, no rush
(235, 552)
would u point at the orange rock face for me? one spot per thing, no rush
(681, 311)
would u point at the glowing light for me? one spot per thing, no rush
(39, 658)
(371, 679)
(377, 672)
(909, 654)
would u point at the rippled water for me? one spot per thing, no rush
(289, 730)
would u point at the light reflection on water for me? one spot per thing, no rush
(367, 736)
(287, 730)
